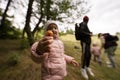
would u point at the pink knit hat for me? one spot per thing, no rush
(48, 23)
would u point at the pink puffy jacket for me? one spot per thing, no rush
(96, 50)
(53, 63)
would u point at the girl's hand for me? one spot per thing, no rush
(44, 45)
(75, 63)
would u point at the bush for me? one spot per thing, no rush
(24, 44)
(13, 59)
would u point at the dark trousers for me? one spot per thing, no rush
(86, 54)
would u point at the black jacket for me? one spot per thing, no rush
(110, 41)
(85, 33)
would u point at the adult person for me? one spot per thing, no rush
(85, 44)
(109, 45)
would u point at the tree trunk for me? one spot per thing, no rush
(48, 9)
(37, 25)
(40, 19)
(2, 27)
(27, 28)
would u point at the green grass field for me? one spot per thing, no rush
(16, 64)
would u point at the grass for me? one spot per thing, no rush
(101, 72)
(26, 69)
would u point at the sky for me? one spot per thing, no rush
(104, 16)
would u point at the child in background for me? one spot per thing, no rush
(49, 51)
(96, 51)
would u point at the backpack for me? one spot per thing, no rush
(78, 34)
(111, 37)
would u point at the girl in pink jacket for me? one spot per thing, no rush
(49, 51)
(96, 51)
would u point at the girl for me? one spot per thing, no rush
(96, 51)
(49, 51)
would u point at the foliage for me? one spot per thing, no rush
(7, 31)
(24, 44)
(117, 33)
(62, 33)
(13, 59)
(60, 10)
(69, 31)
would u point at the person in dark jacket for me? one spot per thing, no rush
(110, 45)
(85, 44)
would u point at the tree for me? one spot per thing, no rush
(60, 10)
(3, 27)
(54, 10)
(27, 28)
(40, 19)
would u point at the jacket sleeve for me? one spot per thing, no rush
(68, 58)
(35, 57)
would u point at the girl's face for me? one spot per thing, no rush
(54, 28)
